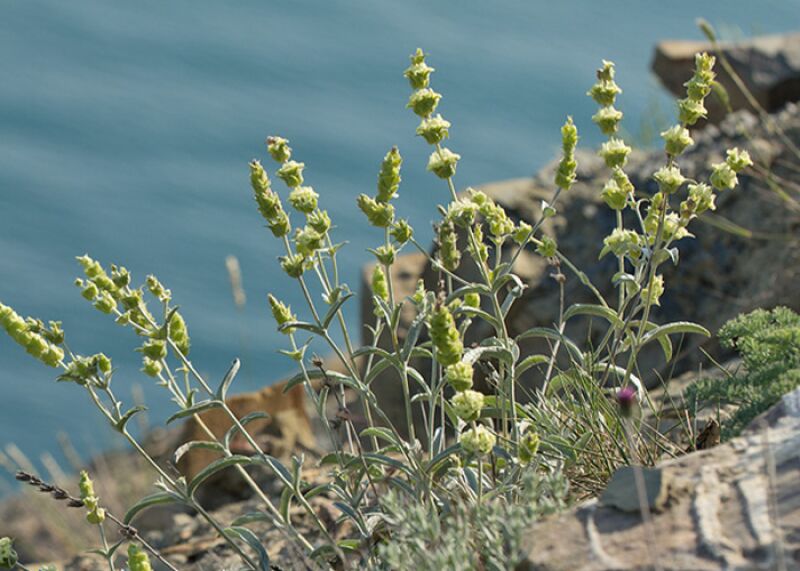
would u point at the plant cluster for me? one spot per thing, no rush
(469, 463)
(769, 345)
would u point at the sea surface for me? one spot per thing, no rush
(126, 129)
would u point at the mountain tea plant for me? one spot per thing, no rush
(473, 468)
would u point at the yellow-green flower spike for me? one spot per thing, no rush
(479, 249)
(424, 102)
(94, 513)
(522, 232)
(622, 243)
(434, 129)
(380, 214)
(35, 344)
(389, 176)
(157, 289)
(567, 167)
(445, 337)
(614, 196)
(467, 405)
(442, 162)
(448, 246)
(385, 254)
(479, 441)
(279, 149)
(291, 172)
(653, 293)
(279, 224)
(179, 334)
(702, 197)
(150, 367)
(472, 300)
(605, 91)
(137, 559)
(303, 199)
(282, 313)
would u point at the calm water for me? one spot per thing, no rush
(125, 131)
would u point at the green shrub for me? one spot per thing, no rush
(769, 345)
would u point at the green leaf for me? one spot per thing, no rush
(302, 325)
(334, 309)
(673, 328)
(548, 333)
(195, 409)
(528, 362)
(412, 336)
(252, 517)
(595, 310)
(258, 415)
(123, 421)
(216, 466)
(439, 461)
(252, 540)
(222, 391)
(157, 499)
(381, 432)
(194, 444)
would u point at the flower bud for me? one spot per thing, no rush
(500, 225)
(319, 221)
(103, 363)
(402, 231)
(291, 172)
(605, 91)
(478, 197)
(434, 129)
(615, 153)
(120, 276)
(547, 247)
(157, 289)
(380, 286)
(137, 559)
(669, 179)
(676, 140)
(279, 224)
(90, 291)
(567, 167)
(279, 149)
(478, 441)
(472, 300)
(522, 233)
(445, 337)
(442, 162)
(459, 376)
(303, 199)
(150, 367)
(91, 268)
(528, 446)
(282, 313)
(622, 243)
(389, 176)
(419, 292)
(8, 556)
(418, 73)
(479, 251)
(448, 246)
(155, 349)
(295, 265)
(379, 214)
(258, 178)
(424, 102)
(653, 293)
(385, 255)
(723, 177)
(179, 334)
(626, 399)
(614, 196)
(607, 119)
(702, 197)
(95, 514)
(307, 241)
(738, 160)
(467, 405)
(105, 302)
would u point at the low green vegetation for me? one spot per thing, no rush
(769, 345)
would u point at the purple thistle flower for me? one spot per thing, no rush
(626, 399)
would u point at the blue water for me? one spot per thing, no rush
(126, 128)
